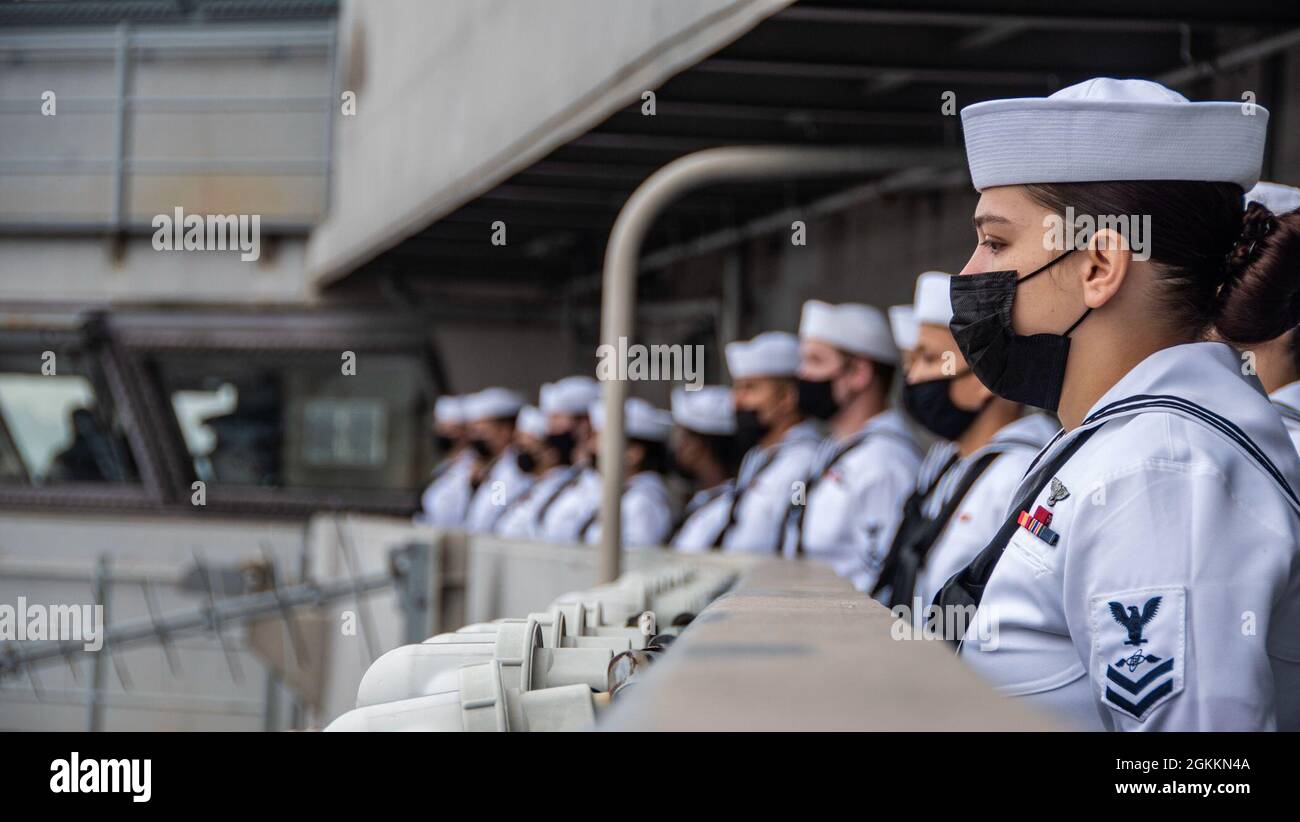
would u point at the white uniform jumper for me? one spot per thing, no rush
(765, 488)
(522, 520)
(855, 498)
(706, 518)
(504, 483)
(1287, 402)
(573, 507)
(981, 513)
(646, 511)
(1159, 588)
(447, 497)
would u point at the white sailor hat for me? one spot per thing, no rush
(531, 421)
(852, 327)
(492, 403)
(933, 305)
(1276, 197)
(709, 410)
(641, 420)
(902, 322)
(570, 395)
(1107, 129)
(770, 354)
(449, 409)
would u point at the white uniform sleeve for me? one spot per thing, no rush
(1170, 586)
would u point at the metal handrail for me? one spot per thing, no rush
(622, 254)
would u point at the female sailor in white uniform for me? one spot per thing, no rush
(646, 508)
(565, 403)
(491, 415)
(1146, 575)
(538, 456)
(704, 448)
(781, 444)
(450, 487)
(993, 441)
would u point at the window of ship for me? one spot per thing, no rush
(300, 420)
(58, 424)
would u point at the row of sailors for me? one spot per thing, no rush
(1142, 569)
(804, 455)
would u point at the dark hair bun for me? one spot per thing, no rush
(1260, 296)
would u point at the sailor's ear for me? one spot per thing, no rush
(1106, 261)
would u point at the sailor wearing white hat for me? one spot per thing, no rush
(565, 402)
(1277, 362)
(530, 425)
(903, 325)
(541, 458)
(647, 511)
(499, 481)
(1145, 576)
(984, 446)
(779, 444)
(446, 499)
(867, 466)
(704, 450)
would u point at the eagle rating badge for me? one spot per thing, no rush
(1137, 654)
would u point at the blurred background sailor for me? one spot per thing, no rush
(866, 467)
(778, 442)
(902, 323)
(446, 499)
(575, 502)
(647, 510)
(704, 451)
(985, 444)
(1277, 362)
(498, 480)
(547, 461)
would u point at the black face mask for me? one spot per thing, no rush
(1028, 369)
(816, 399)
(930, 404)
(564, 444)
(481, 446)
(749, 430)
(526, 462)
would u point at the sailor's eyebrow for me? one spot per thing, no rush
(981, 220)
